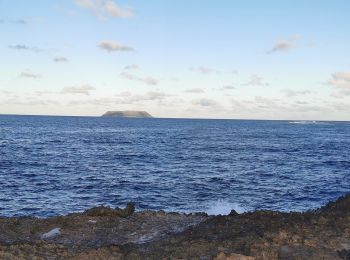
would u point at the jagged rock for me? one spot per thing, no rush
(233, 213)
(106, 211)
(125, 234)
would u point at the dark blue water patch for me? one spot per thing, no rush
(57, 165)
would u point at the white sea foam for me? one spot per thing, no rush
(304, 122)
(307, 122)
(222, 207)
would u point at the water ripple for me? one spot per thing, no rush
(56, 165)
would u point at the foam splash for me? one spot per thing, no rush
(223, 207)
(306, 122)
(303, 122)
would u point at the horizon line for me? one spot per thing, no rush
(185, 118)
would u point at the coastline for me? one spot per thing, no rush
(104, 233)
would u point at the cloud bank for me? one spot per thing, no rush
(294, 93)
(195, 90)
(205, 102)
(146, 80)
(341, 82)
(83, 90)
(29, 74)
(256, 80)
(125, 98)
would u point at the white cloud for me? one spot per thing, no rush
(228, 87)
(60, 59)
(43, 92)
(284, 45)
(31, 102)
(205, 102)
(174, 79)
(132, 67)
(207, 70)
(19, 21)
(203, 70)
(256, 80)
(16, 21)
(105, 8)
(8, 93)
(294, 93)
(29, 74)
(266, 102)
(114, 46)
(340, 80)
(195, 90)
(340, 106)
(152, 95)
(261, 105)
(298, 102)
(83, 89)
(125, 98)
(147, 80)
(341, 83)
(340, 94)
(23, 47)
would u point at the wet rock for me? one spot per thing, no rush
(129, 210)
(233, 213)
(101, 212)
(106, 211)
(106, 233)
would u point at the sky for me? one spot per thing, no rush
(242, 59)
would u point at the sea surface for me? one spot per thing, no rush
(59, 165)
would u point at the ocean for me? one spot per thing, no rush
(58, 165)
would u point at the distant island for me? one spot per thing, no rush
(129, 114)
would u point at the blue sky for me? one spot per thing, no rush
(197, 59)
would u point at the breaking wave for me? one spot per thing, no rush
(223, 207)
(307, 122)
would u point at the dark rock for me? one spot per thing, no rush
(233, 213)
(106, 233)
(344, 254)
(100, 212)
(129, 210)
(106, 211)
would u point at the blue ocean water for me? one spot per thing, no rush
(58, 165)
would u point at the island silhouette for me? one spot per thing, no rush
(128, 113)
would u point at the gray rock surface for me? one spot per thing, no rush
(106, 233)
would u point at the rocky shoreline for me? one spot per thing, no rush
(105, 233)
